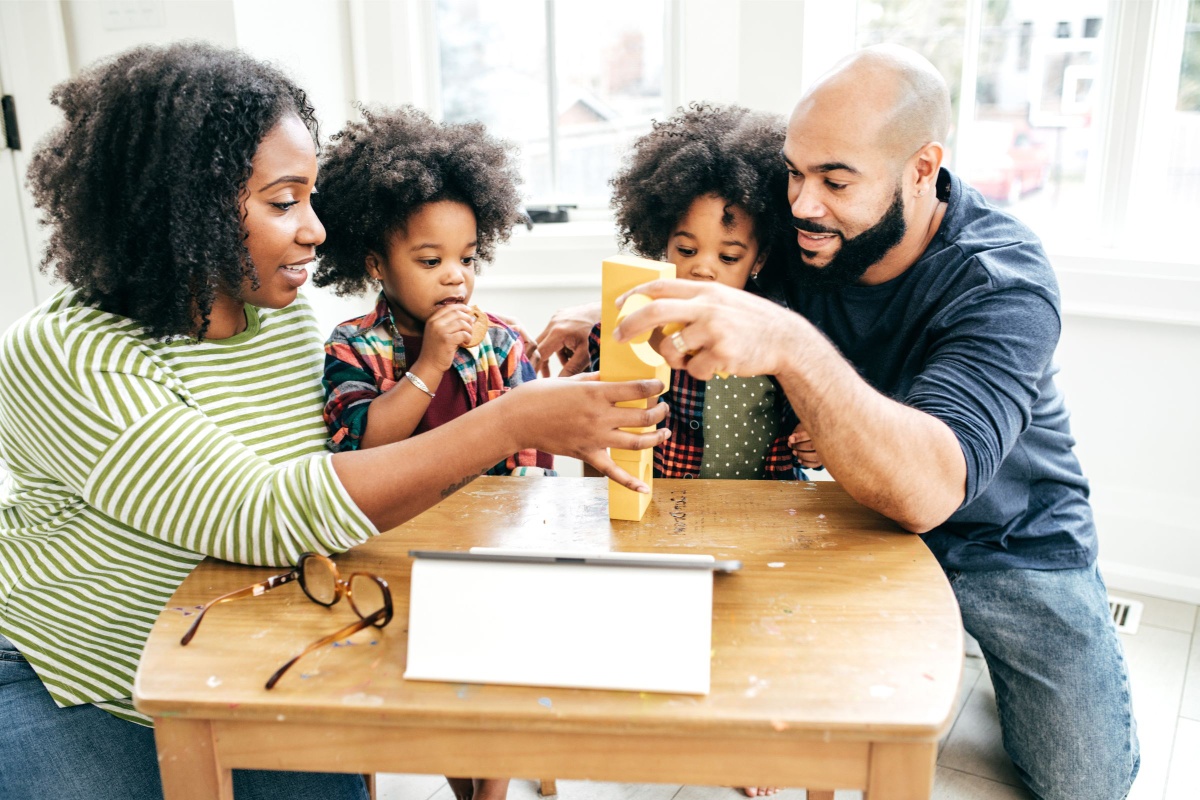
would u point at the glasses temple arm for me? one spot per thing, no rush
(254, 590)
(349, 630)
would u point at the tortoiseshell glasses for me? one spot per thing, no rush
(368, 594)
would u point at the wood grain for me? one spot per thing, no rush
(839, 633)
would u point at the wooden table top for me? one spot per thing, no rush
(839, 626)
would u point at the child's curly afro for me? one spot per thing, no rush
(729, 151)
(141, 183)
(378, 172)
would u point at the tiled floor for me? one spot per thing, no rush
(1164, 663)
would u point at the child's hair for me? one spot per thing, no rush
(728, 151)
(141, 183)
(378, 172)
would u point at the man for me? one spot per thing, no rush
(920, 364)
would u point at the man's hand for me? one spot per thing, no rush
(566, 334)
(724, 330)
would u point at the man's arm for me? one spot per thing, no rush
(904, 463)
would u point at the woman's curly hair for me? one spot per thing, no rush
(141, 185)
(376, 173)
(729, 151)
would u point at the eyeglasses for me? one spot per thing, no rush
(368, 594)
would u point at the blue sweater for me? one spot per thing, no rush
(967, 334)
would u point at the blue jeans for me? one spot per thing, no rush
(84, 753)
(1062, 687)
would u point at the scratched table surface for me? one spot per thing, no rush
(837, 654)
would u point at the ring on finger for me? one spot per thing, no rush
(677, 340)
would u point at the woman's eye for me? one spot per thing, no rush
(285, 205)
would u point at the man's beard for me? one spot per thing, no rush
(856, 255)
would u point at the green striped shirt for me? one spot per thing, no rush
(132, 458)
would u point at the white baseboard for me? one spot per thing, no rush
(1153, 582)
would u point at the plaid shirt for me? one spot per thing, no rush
(680, 456)
(363, 360)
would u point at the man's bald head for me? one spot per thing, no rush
(886, 91)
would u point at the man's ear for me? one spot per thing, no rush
(374, 263)
(926, 163)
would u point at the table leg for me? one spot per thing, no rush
(901, 771)
(814, 794)
(187, 760)
(547, 787)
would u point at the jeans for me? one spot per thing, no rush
(1062, 687)
(85, 753)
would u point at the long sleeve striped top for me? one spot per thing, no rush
(130, 459)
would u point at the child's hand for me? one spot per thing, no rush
(446, 330)
(803, 448)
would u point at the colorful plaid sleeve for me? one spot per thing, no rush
(515, 369)
(354, 370)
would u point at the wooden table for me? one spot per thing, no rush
(837, 654)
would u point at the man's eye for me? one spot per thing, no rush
(835, 186)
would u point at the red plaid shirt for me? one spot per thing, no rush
(680, 456)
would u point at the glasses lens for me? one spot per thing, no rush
(320, 580)
(366, 595)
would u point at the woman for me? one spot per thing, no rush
(166, 406)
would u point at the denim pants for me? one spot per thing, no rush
(1062, 687)
(85, 753)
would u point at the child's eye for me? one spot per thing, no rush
(431, 262)
(731, 259)
(468, 261)
(686, 252)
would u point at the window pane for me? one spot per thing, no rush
(934, 28)
(609, 75)
(610, 86)
(1183, 129)
(1027, 140)
(493, 69)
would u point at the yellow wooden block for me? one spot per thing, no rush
(625, 503)
(630, 361)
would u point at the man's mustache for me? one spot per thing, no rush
(811, 227)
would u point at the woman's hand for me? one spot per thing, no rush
(566, 334)
(578, 417)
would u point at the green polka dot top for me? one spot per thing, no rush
(739, 425)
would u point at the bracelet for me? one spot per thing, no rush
(420, 384)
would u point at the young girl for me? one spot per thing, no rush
(702, 190)
(413, 205)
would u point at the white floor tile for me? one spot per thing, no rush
(1183, 782)
(598, 790)
(1190, 707)
(974, 744)
(954, 785)
(407, 787)
(1157, 663)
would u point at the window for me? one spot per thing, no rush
(1033, 131)
(571, 83)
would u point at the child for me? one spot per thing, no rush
(414, 204)
(702, 190)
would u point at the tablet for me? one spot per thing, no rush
(655, 560)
